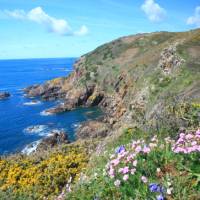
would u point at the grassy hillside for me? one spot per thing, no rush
(148, 142)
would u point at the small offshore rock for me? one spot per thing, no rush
(4, 95)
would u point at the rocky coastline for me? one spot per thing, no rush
(147, 85)
(125, 95)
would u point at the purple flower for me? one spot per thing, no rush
(154, 187)
(160, 197)
(120, 149)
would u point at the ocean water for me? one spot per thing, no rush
(21, 121)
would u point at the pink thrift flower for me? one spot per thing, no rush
(194, 143)
(133, 171)
(180, 140)
(144, 179)
(182, 135)
(134, 163)
(117, 183)
(125, 170)
(115, 162)
(198, 132)
(120, 170)
(138, 149)
(189, 136)
(146, 149)
(125, 177)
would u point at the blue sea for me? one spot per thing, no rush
(21, 121)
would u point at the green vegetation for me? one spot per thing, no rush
(145, 160)
(25, 177)
(152, 161)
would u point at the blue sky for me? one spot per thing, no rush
(70, 28)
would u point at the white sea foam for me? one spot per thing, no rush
(38, 129)
(41, 130)
(32, 103)
(45, 113)
(31, 147)
(76, 125)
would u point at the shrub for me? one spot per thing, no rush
(44, 178)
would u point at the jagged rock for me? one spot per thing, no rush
(169, 59)
(67, 106)
(57, 138)
(4, 95)
(95, 99)
(47, 91)
(92, 129)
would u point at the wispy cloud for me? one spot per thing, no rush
(153, 11)
(51, 24)
(195, 19)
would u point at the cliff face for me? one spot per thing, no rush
(145, 80)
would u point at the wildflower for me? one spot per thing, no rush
(189, 136)
(125, 177)
(117, 183)
(144, 179)
(134, 163)
(158, 170)
(182, 135)
(138, 149)
(115, 162)
(154, 187)
(146, 149)
(125, 170)
(160, 197)
(133, 171)
(169, 191)
(120, 149)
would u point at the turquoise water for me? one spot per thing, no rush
(17, 113)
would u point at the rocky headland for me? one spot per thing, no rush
(139, 80)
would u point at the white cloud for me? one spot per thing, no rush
(195, 19)
(154, 11)
(37, 15)
(17, 14)
(83, 31)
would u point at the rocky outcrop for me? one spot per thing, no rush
(92, 129)
(51, 90)
(4, 95)
(169, 59)
(56, 138)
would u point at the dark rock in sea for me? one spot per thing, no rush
(4, 95)
(67, 106)
(57, 138)
(92, 129)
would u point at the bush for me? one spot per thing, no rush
(43, 178)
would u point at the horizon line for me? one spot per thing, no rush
(70, 57)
